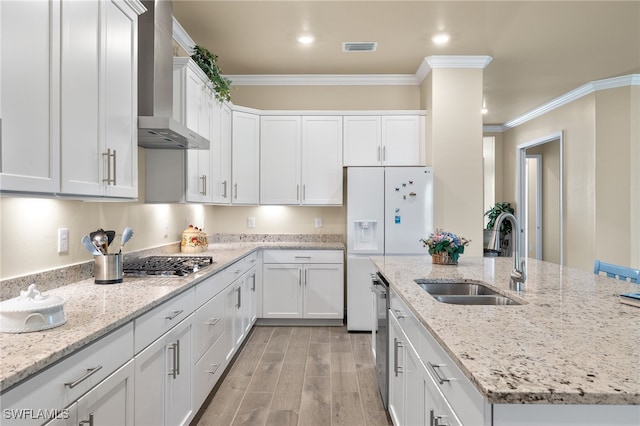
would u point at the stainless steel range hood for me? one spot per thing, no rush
(156, 126)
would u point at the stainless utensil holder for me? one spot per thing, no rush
(108, 269)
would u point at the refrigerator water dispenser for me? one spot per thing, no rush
(366, 235)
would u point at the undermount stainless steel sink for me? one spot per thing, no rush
(464, 293)
(476, 300)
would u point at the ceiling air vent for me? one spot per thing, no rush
(359, 46)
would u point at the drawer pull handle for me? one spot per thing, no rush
(237, 271)
(215, 368)
(173, 315)
(303, 257)
(90, 371)
(213, 321)
(87, 422)
(175, 347)
(396, 345)
(439, 378)
(399, 313)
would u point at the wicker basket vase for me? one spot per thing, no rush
(442, 259)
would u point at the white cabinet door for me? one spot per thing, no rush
(323, 291)
(192, 96)
(111, 402)
(401, 140)
(280, 160)
(321, 160)
(198, 176)
(233, 320)
(282, 291)
(163, 379)
(99, 148)
(362, 140)
(220, 143)
(245, 158)
(249, 301)
(414, 376)
(29, 96)
(397, 395)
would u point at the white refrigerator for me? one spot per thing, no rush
(389, 209)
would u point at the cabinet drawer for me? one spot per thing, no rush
(437, 409)
(214, 285)
(409, 323)
(302, 256)
(208, 370)
(208, 324)
(161, 319)
(467, 403)
(64, 382)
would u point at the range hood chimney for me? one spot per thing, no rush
(156, 126)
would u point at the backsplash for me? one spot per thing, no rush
(59, 277)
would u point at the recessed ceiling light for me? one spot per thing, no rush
(441, 38)
(306, 39)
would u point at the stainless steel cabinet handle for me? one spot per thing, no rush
(178, 357)
(378, 153)
(213, 321)
(109, 155)
(89, 373)
(439, 378)
(239, 304)
(224, 189)
(303, 257)
(304, 192)
(384, 153)
(253, 283)
(435, 420)
(214, 368)
(174, 370)
(235, 191)
(297, 192)
(396, 367)
(87, 422)
(399, 313)
(173, 315)
(203, 178)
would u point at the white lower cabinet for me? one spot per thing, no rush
(163, 379)
(240, 303)
(305, 284)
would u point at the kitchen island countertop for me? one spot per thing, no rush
(570, 342)
(95, 310)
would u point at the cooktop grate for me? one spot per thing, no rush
(166, 265)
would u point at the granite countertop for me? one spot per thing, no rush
(94, 310)
(570, 342)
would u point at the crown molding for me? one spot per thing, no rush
(324, 80)
(181, 37)
(458, 61)
(585, 89)
(136, 5)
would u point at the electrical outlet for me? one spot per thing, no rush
(318, 222)
(251, 222)
(63, 240)
(166, 229)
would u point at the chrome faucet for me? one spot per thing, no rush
(519, 273)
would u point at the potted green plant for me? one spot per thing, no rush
(207, 63)
(492, 214)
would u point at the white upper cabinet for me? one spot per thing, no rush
(280, 138)
(387, 140)
(98, 111)
(322, 160)
(245, 158)
(29, 94)
(192, 96)
(301, 160)
(221, 154)
(75, 119)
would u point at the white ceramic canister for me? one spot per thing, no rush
(31, 311)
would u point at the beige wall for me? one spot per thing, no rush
(457, 153)
(601, 154)
(327, 97)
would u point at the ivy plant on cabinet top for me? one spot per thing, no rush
(207, 62)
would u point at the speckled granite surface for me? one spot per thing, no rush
(94, 310)
(571, 342)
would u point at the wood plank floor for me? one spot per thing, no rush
(299, 376)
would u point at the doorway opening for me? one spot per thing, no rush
(540, 198)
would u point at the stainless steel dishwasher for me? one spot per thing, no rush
(380, 334)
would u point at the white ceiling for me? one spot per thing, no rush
(541, 50)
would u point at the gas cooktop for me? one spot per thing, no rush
(166, 265)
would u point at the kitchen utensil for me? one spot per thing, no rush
(108, 269)
(31, 311)
(126, 236)
(100, 240)
(88, 244)
(110, 236)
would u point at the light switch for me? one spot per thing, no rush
(251, 222)
(318, 222)
(63, 240)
